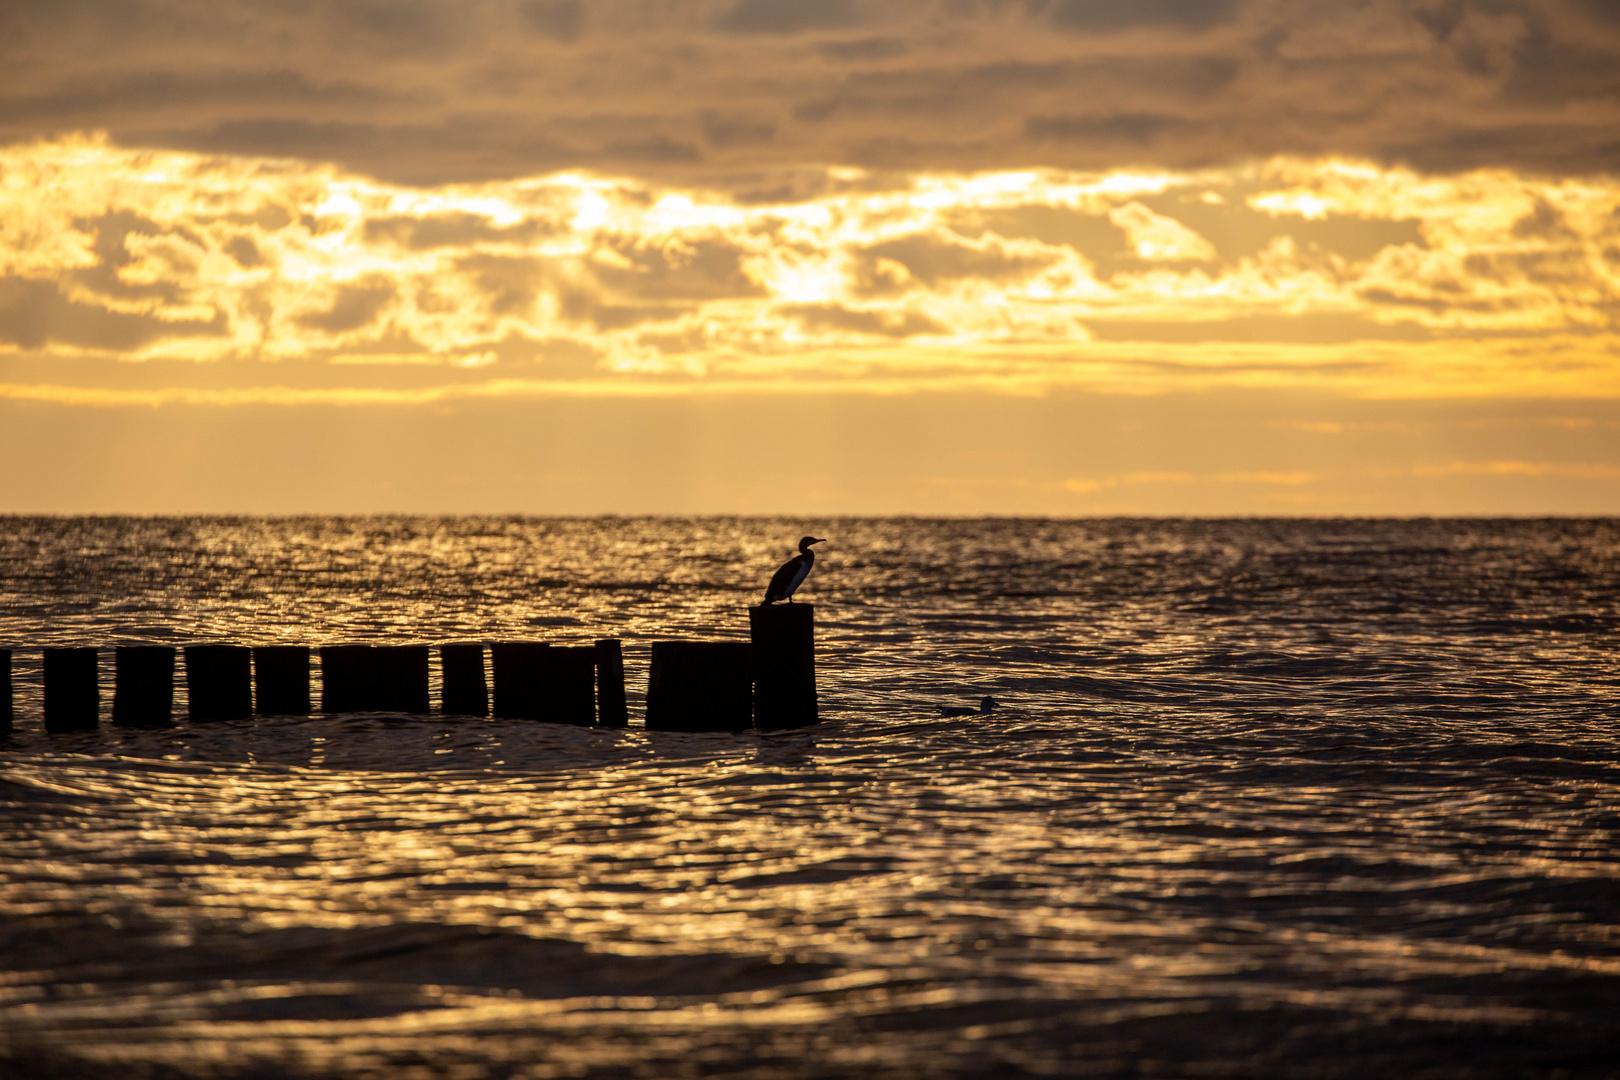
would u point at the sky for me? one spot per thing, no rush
(810, 257)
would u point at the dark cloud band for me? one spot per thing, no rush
(738, 92)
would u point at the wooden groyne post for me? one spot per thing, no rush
(610, 707)
(5, 693)
(143, 685)
(519, 668)
(463, 689)
(219, 682)
(571, 686)
(72, 698)
(535, 680)
(700, 686)
(784, 642)
(374, 678)
(281, 680)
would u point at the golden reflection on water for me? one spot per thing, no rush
(1196, 836)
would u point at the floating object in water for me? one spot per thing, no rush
(984, 708)
(792, 573)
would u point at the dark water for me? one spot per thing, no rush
(1267, 798)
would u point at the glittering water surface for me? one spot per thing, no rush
(1267, 798)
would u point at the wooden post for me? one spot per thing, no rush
(401, 672)
(72, 698)
(5, 693)
(784, 643)
(610, 707)
(374, 678)
(700, 686)
(219, 682)
(344, 674)
(281, 680)
(143, 685)
(465, 690)
(570, 688)
(520, 672)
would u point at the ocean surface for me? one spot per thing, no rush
(1265, 798)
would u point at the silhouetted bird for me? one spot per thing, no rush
(957, 710)
(792, 574)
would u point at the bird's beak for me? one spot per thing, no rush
(821, 541)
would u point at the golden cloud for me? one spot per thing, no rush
(1343, 275)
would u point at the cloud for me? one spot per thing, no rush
(786, 16)
(1106, 15)
(1341, 274)
(35, 315)
(354, 307)
(1569, 470)
(731, 92)
(1160, 238)
(561, 20)
(888, 322)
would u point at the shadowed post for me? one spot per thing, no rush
(520, 670)
(143, 685)
(700, 686)
(281, 680)
(374, 678)
(784, 644)
(219, 682)
(344, 674)
(465, 690)
(5, 693)
(571, 686)
(401, 673)
(610, 707)
(72, 699)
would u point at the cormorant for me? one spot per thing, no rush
(983, 710)
(792, 574)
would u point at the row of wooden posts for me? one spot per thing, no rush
(767, 682)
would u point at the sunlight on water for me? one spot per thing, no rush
(1265, 798)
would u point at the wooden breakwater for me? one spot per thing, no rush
(766, 683)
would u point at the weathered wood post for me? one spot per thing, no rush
(72, 698)
(219, 682)
(401, 673)
(281, 680)
(374, 678)
(784, 641)
(465, 690)
(571, 686)
(610, 707)
(143, 685)
(5, 693)
(520, 670)
(344, 674)
(700, 686)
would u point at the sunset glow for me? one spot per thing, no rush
(1374, 282)
(1294, 226)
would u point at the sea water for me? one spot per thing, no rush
(1262, 798)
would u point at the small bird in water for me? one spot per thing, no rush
(984, 708)
(793, 572)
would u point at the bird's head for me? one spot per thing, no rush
(806, 541)
(988, 703)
